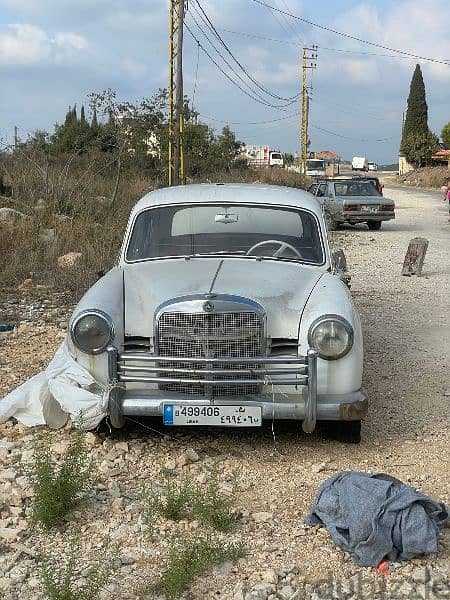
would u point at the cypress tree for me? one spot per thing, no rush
(82, 116)
(68, 116)
(94, 122)
(416, 120)
(418, 142)
(74, 114)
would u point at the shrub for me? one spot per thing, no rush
(60, 582)
(192, 556)
(186, 500)
(58, 489)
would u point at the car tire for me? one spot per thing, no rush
(347, 432)
(374, 225)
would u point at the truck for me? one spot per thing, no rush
(262, 156)
(315, 167)
(360, 163)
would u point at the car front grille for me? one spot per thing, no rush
(210, 335)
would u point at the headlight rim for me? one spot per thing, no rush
(98, 313)
(343, 321)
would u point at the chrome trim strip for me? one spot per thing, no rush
(167, 380)
(309, 422)
(124, 369)
(146, 357)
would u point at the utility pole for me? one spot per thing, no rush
(309, 57)
(176, 95)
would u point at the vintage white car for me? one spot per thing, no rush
(225, 309)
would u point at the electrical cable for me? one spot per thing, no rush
(345, 137)
(207, 21)
(351, 37)
(296, 114)
(196, 75)
(205, 51)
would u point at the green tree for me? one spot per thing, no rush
(418, 148)
(445, 134)
(418, 143)
(226, 148)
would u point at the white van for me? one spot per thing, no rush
(360, 163)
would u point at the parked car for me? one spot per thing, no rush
(226, 308)
(353, 200)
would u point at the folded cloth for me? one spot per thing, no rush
(377, 516)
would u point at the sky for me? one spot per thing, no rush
(55, 52)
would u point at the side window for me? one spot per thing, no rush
(322, 191)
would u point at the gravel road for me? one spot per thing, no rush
(407, 331)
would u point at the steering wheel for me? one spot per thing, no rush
(279, 252)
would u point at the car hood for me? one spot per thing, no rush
(281, 288)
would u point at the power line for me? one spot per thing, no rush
(295, 114)
(207, 21)
(196, 75)
(236, 84)
(345, 137)
(352, 37)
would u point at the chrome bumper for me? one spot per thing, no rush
(145, 370)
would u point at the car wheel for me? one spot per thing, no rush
(348, 432)
(374, 225)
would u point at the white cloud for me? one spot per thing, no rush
(25, 44)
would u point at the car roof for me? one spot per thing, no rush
(229, 192)
(347, 177)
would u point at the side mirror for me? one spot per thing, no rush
(339, 266)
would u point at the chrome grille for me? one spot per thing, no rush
(210, 335)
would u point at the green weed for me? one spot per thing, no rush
(58, 489)
(192, 556)
(63, 583)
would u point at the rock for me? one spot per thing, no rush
(420, 575)
(27, 284)
(5, 443)
(47, 235)
(9, 216)
(40, 204)
(286, 592)
(270, 576)
(8, 534)
(181, 461)
(69, 260)
(7, 475)
(262, 517)
(122, 446)
(447, 393)
(90, 438)
(319, 467)
(128, 559)
(192, 455)
(103, 200)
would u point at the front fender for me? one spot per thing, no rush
(107, 295)
(331, 296)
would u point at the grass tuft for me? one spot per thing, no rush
(63, 583)
(183, 499)
(190, 557)
(58, 489)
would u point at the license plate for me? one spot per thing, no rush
(369, 208)
(222, 416)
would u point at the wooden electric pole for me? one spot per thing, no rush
(176, 95)
(309, 57)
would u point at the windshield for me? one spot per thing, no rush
(315, 164)
(355, 188)
(231, 229)
(276, 155)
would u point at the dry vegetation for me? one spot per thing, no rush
(73, 201)
(428, 177)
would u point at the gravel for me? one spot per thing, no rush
(406, 327)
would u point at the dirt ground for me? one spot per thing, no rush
(407, 331)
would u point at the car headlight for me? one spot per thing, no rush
(332, 335)
(91, 331)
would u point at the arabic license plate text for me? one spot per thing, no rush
(222, 416)
(369, 208)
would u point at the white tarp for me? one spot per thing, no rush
(64, 389)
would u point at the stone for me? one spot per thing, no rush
(270, 576)
(103, 201)
(8, 534)
(90, 438)
(192, 455)
(262, 517)
(181, 461)
(286, 592)
(47, 236)
(27, 284)
(5, 443)
(69, 260)
(170, 465)
(9, 216)
(122, 446)
(319, 467)
(7, 475)
(420, 575)
(128, 559)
